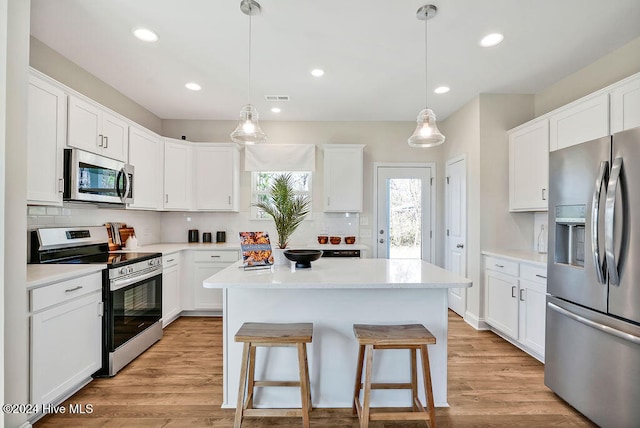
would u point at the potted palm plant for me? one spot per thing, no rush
(287, 208)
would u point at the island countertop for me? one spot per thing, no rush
(341, 273)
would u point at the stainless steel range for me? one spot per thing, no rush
(131, 289)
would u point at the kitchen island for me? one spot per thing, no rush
(334, 294)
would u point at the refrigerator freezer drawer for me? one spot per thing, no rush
(592, 361)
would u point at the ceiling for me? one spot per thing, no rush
(373, 52)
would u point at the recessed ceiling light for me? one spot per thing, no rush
(317, 72)
(276, 110)
(441, 90)
(145, 34)
(491, 40)
(193, 86)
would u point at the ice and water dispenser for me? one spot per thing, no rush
(570, 220)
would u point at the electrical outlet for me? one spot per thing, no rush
(365, 233)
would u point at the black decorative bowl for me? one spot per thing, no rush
(303, 258)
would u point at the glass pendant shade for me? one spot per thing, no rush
(248, 130)
(427, 133)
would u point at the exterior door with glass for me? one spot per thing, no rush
(404, 212)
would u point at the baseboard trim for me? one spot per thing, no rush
(475, 322)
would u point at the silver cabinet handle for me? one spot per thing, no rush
(541, 276)
(609, 216)
(521, 298)
(106, 142)
(100, 309)
(70, 290)
(229, 200)
(215, 257)
(328, 201)
(604, 328)
(460, 246)
(513, 291)
(595, 221)
(500, 266)
(60, 185)
(544, 196)
(100, 144)
(166, 198)
(170, 260)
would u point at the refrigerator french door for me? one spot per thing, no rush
(593, 309)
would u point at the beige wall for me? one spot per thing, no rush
(615, 66)
(51, 63)
(16, 334)
(3, 121)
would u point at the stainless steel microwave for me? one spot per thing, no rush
(93, 178)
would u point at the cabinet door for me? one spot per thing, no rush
(170, 292)
(46, 118)
(343, 170)
(84, 126)
(177, 176)
(529, 167)
(216, 178)
(625, 106)
(502, 302)
(206, 298)
(115, 132)
(579, 123)
(66, 345)
(145, 154)
(532, 297)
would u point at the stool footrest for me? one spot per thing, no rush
(398, 416)
(283, 413)
(276, 383)
(389, 386)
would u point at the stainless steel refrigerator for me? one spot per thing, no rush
(592, 352)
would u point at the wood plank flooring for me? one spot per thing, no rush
(178, 383)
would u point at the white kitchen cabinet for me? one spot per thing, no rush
(170, 288)
(66, 337)
(579, 122)
(92, 128)
(515, 302)
(343, 177)
(203, 264)
(625, 105)
(46, 137)
(216, 176)
(529, 167)
(146, 154)
(177, 175)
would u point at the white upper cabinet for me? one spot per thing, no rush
(177, 175)
(625, 105)
(343, 176)
(95, 130)
(147, 156)
(529, 167)
(579, 122)
(216, 176)
(47, 119)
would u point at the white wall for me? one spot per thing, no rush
(3, 112)
(16, 333)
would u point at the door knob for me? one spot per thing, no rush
(381, 241)
(460, 246)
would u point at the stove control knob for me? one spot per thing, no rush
(123, 270)
(130, 269)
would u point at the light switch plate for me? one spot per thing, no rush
(364, 221)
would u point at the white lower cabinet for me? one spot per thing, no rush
(516, 302)
(170, 288)
(66, 337)
(202, 265)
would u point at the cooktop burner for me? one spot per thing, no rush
(111, 259)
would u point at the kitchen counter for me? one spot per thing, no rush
(334, 294)
(520, 256)
(39, 275)
(169, 248)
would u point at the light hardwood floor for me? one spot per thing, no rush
(178, 383)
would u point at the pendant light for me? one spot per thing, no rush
(248, 130)
(427, 133)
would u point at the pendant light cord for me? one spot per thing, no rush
(249, 77)
(426, 65)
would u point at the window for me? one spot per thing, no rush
(261, 183)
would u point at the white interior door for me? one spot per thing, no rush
(403, 212)
(456, 228)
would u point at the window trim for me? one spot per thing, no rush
(254, 211)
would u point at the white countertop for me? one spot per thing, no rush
(168, 248)
(520, 256)
(341, 273)
(39, 275)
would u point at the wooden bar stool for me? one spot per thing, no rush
(408, 336)
(270, 334)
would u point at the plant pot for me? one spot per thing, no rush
(278, 257)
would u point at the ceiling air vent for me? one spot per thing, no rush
(277, 97)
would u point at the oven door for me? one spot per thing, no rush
(132, 308)
(94, 178)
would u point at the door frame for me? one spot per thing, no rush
(448, 162)
(433, 200)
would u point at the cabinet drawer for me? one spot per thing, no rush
(66, 290)
(216, 256)
(533, 273)
(501, 265)
(170, 260)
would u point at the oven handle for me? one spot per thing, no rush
(118, 284)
